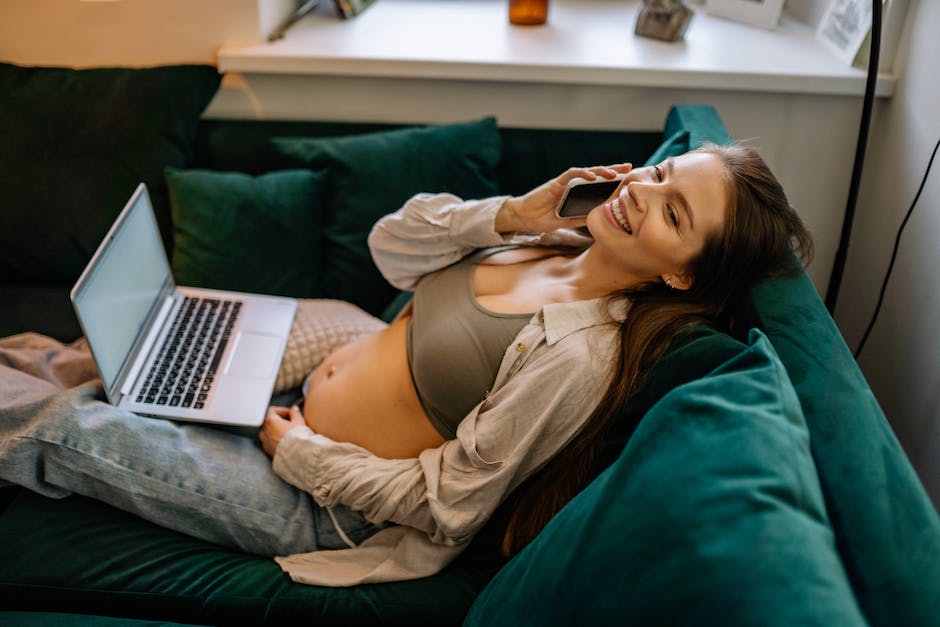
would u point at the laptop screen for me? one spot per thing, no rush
(122, 286)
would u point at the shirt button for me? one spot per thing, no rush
(520, 347)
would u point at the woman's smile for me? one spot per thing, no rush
(616, 213)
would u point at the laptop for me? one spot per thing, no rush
(162, 350)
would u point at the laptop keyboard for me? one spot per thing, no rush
(185, 369)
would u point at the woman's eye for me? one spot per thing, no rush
(658, 172)
(673, 217)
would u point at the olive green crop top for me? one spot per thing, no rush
(454, 344)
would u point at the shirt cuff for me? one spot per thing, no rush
(296, 459)
(473, 222)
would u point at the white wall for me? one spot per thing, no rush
(131, 33)
(902, 357)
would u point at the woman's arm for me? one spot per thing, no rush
(449, 492)
(432, 231)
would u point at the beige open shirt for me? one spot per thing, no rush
(549, 381)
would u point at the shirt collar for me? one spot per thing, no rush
(563, 319)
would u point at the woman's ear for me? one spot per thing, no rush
(678, 281)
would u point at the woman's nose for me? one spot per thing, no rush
(636, 190)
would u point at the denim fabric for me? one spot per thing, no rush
(205, 482)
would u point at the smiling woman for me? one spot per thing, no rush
(739, 228)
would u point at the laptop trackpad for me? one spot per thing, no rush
(255, 355)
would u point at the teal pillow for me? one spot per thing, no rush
(712, 515)
(673, 146)
(373, 174)
(76, 143)
(253, 234)
(688, 127)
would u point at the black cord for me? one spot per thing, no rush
(894, 253)
(838, 266)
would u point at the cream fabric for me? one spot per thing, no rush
(320, 327)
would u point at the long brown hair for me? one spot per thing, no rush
(760, 236)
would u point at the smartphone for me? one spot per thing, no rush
(582, 195)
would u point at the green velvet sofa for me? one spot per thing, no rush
(763, 485)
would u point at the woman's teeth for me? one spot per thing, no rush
(618, 215)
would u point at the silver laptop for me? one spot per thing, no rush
(182, 353)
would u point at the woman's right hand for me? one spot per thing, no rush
(535, 211)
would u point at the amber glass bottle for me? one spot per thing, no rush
(528, 12)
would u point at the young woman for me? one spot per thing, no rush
(510, 360)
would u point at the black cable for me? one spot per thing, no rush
(894, 253)
(835, 279)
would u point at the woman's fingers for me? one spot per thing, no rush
(592, 173)
(297, 416)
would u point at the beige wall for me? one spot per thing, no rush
(81, 33)
(902, 357)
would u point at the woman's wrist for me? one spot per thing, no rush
(506, 221)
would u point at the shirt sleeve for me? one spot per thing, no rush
(433, 231)
(449, 492)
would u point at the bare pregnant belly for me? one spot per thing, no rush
(363, 394)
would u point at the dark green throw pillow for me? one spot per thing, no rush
(712, 515)
(75, 145)
(373, 174)
(253, 234)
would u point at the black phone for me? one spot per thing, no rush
(582, 195)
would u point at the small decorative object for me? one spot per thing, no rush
(845, 26)
(528, 12)
(763, 13)
(663, 19)
(351, 8)
(303, 8)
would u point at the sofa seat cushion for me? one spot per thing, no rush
(75, 145)
(87, 557)
(372, 174)
(712, 515)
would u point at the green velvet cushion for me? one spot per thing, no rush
(887, 530)
(673, 146)
(253, 234)
(688, 127)
(75, 145)
(712, 515)
(372, 174)
(78, 555)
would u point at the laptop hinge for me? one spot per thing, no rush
(131, 378)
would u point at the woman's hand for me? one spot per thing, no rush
(535, 211)
(277, 422)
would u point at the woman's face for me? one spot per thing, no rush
(659, 218)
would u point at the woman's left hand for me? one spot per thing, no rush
(277, 422)
(535, 211)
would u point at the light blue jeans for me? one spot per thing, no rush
(202, 481)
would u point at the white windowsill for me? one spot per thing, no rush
(586, 42)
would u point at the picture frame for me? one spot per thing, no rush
(845, 27)
(762, 13)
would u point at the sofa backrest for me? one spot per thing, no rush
(886, 529)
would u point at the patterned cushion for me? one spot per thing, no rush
(320, 327)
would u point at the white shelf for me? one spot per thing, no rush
(586, 42)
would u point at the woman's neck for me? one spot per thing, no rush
(589, 275)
